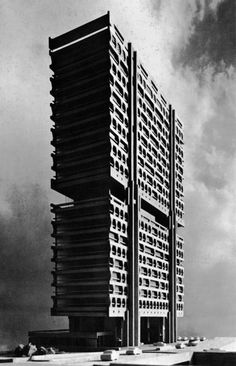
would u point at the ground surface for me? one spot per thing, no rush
(166, 356)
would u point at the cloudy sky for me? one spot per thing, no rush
(190, 48)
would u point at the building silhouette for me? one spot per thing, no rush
(118, 158)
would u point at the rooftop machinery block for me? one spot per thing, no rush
(118, 157)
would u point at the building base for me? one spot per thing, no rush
(93, 334)
(66, 340)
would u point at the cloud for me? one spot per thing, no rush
(215, 148)
(25, 265)
(205, 91)
(214, 36)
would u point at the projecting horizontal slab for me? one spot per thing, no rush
(64, 57)
(79, 32)
(80, 67)
(94, 312)
(71, 87)
(78, 182)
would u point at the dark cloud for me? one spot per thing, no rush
(211, 54)
(25, 264)
(210, 58)
(213, 41)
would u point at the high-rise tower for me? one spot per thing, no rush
(119, 159)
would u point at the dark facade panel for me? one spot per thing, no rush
(90, 255)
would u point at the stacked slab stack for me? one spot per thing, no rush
(90, 136)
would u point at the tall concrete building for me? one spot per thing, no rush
(118, 158)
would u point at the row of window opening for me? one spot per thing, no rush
(179, 204)
(151, 251)
(155, 305)
(116, 152)
(150, 283)
(120, 77)
(150, 239)
(118, 302)
(153, 194)
(154, 124)
(153, 262)
(152, 149)
(118, 61)
(117, 225)
(119, 167)
(118, 277)
(179, 213)
(117, 263)
(153, 182)
(119, 48)
(151, 272)
(119, 290)
(118, 212)
(120, 252)
(153, 116)
(147, 144)
(142, 84)
(180, 271)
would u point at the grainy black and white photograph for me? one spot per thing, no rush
(117, 182)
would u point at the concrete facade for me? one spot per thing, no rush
(118, 158)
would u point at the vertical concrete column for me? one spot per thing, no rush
(171, 329)
(133, 318)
